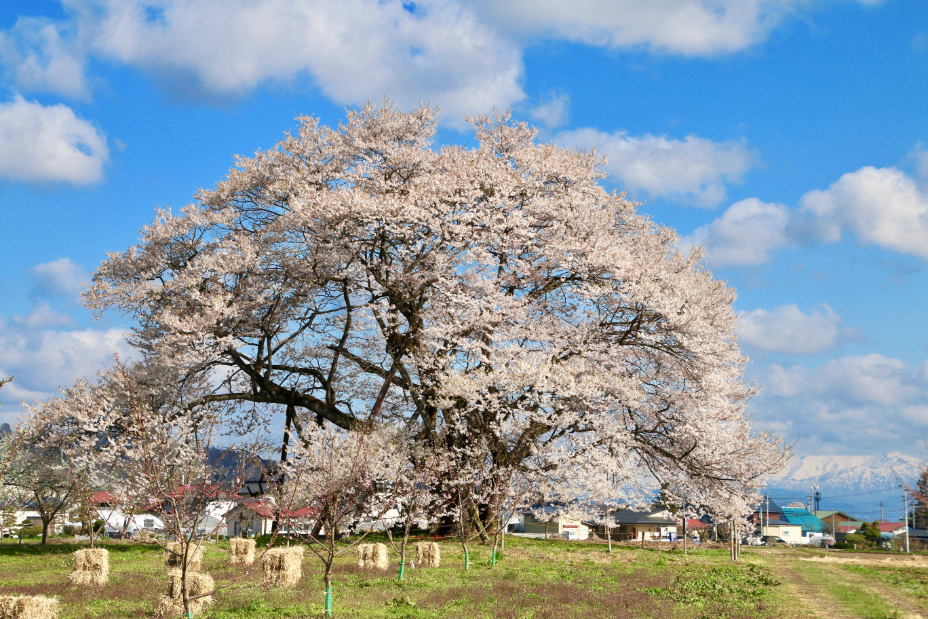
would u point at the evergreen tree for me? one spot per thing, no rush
(921, 501)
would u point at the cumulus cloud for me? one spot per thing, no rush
(58, 278)
(41, 56)
(693, 169)
(463, 54)
(42, 359)
(43, 316)
(852, 400)
(883, 206)
(746, 234)
(353, 50)
(788, 329)
(688, 27)
(49, 144)
(552, 110)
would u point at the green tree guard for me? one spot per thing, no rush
(466, 561)
(493, 560)
(328, 601)
(402, 567)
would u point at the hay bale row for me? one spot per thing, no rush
(197, 584)
(241, 551)
(174, 556)
(28, 607)
(283, 567)
(428, 554)
(373, 556)
(91, 567)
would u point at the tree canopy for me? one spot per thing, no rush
(495, 292)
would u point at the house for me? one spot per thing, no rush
(648, 525)
(695, 527)
(790, 533)
(255, 516)
(768, 509)
(568, 528)
(812, 526)
(836, 519)
(116, 520)
(893, 528)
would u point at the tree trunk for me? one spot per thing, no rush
(45, 524)
(291, 412)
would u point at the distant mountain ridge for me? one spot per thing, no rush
(856, 484)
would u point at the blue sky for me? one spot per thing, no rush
(789, 137)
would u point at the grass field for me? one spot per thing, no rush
(534, 579)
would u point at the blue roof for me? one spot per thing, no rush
(802, 516)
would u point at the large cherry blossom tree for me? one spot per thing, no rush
(499, 291)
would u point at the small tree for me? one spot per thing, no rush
(344, 479)
(41, 475)
(415, 487)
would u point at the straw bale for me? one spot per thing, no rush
(144, 535)
(176, 561)
(91, 567)
(364, 553)
(283, 567)
(428, 554)
(373, 556)
(197, 584)
(28, 607)
(241, 551)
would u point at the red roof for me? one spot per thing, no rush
(269, 510)
(692, 523)
(885, 527)
(847, 528)
(102, 498)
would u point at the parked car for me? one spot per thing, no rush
(773, 540)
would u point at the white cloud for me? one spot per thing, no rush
(552, 110)
(39, 57)
(58, 278)
(39, 143)
(354, 50)
(883, 206)
(43, 316)
(463, 54)
(919, 154)
(787, 329)
(688, 27)
(852, 401)
(42, 359)
(852, 381)
(693, 169)
(746, 234)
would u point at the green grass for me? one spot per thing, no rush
(910, 580)
(534, 579)
(859, 601)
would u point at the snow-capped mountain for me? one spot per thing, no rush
(857, 484)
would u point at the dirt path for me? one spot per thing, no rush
(818, 603)
(911, 608)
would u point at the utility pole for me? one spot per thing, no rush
(881, 511)
(767, 530)
(905, 503)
